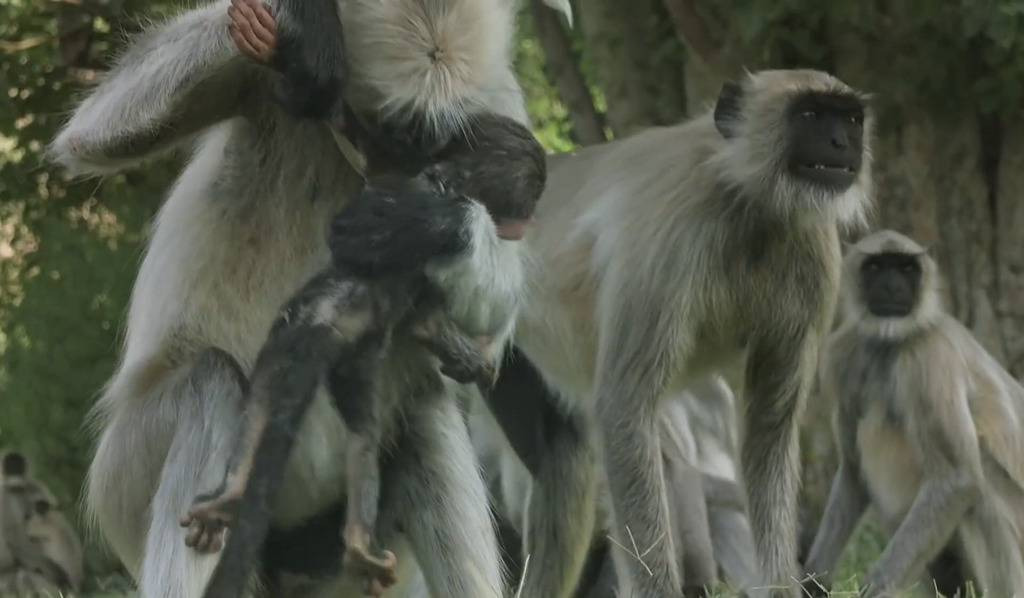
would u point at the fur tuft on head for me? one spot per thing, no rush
(752, 118)
(438, 60)
(925, 313)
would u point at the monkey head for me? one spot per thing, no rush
(801, 137)
(29, 497)
(890, 285)
(499, 163)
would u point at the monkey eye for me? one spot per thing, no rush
(809, 115)
(857, 119)
(908, 268)
(871, 266)
(42, 507)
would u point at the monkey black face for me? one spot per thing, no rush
(14, 465)
(826, 139)
(891, 283)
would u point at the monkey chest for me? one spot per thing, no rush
(889, 464)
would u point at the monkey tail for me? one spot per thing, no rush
(435, 59)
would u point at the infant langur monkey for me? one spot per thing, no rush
(337, 330)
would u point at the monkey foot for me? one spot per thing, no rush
(380, 572)
(207, 521)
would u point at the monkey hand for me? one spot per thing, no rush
(387, 232)
(253, 29)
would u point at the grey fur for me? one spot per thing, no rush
(928, 427)
(39, 550)
(658, 258)
(241, 231)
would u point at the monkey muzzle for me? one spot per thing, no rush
(513, 229)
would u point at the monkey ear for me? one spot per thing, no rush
(727, 109)
(563, 7)
(15, 465)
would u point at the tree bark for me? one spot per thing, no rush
(563, 69)
(637, 61)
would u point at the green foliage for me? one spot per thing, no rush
(68, 251)
(950, 54)
(549, 115)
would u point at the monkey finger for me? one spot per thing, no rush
(264, 16)
(242, 42)
(195, 532)
(243, 22)
(375, 588)
(254, 24)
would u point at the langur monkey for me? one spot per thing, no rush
(928, 425)
(339, 328)
(39, 550)
(242, 230)
(663, 256)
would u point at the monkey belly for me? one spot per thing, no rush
(892, 474)
(226, 254)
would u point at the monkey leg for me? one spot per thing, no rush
(363, 472)
(433, 492)
(731, 536)
(167, 434)
(690, 525)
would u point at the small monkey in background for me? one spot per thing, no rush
(39, 550)
(929, 428)
(338, 327)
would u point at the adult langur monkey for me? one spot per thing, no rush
(699, 448)
(929, 428)
(664, 255)
(244, 227)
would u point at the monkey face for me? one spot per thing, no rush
(891, 283)
(826, 139)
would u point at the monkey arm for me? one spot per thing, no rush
(779, 370)
(636, 359)
(847, 501)
(848, 497)
(170, 84)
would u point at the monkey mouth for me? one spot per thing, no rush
(835, 176)
(826, 167)
(512, 229)
(890, 310)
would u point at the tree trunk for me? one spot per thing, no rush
(637, 61)
(563, 69)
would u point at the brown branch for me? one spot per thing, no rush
(693, 30)
(564, 70)
(12, 47)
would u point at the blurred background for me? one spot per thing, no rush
(947, 78)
